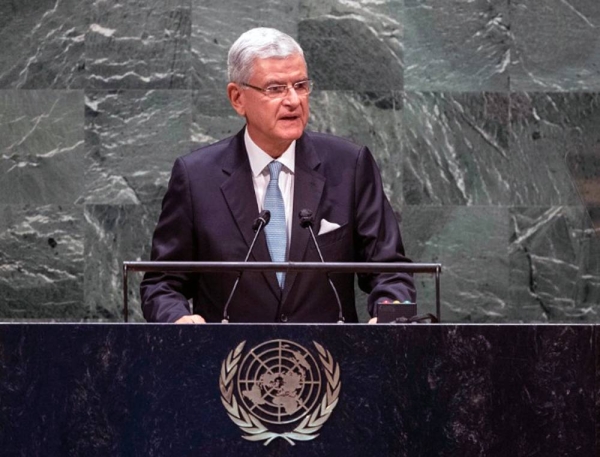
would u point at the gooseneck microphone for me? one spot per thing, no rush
(259, 224)
(306, 221)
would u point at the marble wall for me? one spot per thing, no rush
(484, 117)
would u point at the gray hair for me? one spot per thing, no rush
(258, 43)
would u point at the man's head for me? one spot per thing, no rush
(260, 60)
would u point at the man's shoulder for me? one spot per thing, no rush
(332, 150)
(321, 140)
(208, 154)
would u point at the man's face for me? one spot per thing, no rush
(273, 123)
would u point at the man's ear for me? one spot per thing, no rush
(236, 98)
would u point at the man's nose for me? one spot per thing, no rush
(291, 96)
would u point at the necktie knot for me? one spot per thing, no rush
(274, 169)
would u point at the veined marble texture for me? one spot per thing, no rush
(217, 24)
(507, 264)
(482, 116)
(41, 146)
(453, 45)
(555, 140)
(471, 244)
(372, 119)
(132, 140)
(353, 45)
(139, 44)
(556, 45)
(213, 118)
(554, 258)
(456, 149)
(113, 234)
(43, 43)
(41, 262)
(500, 149)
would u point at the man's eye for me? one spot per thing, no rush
(276, 89)
(301, 86)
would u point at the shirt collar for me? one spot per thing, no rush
(259, 159)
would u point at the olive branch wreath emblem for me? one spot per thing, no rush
(255, 430)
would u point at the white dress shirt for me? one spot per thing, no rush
(259, 163)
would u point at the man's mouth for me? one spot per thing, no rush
(289, 118)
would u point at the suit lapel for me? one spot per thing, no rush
(238, 191)
(308, 188)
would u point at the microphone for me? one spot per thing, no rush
(259, 224)
(306, 221)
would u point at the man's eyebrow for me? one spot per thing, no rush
(278, 82)
(274, 82)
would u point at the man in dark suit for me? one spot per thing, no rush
(216, 192)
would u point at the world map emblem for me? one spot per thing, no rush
(279, 389)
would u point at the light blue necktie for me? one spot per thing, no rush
(276, 230)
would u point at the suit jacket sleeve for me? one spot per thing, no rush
(377, 236)
(165, 296)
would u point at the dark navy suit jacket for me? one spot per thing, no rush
(208, 213)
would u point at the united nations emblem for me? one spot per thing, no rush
(279, 390)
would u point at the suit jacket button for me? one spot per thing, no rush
(283, 318)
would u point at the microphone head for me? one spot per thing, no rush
(306, 218)
(264, 217)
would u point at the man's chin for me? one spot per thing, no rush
(291, 133)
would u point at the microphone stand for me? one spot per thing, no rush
(306, 221)
(259, 224)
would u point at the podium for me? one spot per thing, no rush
(388, 390)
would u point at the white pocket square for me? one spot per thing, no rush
(327, 227)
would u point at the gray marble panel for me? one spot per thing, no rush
(41, 263)
(42, 147)
(551, 135)
(42, 44)
(471, 245)
(213, 118)
(373, 119)
(456, 45)
(583, 150)
(139, 44)
(113, 234)
(554, 265)
(217, 24)
(353, 45)
(556, 45)
(456, 149)
(132, 139)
